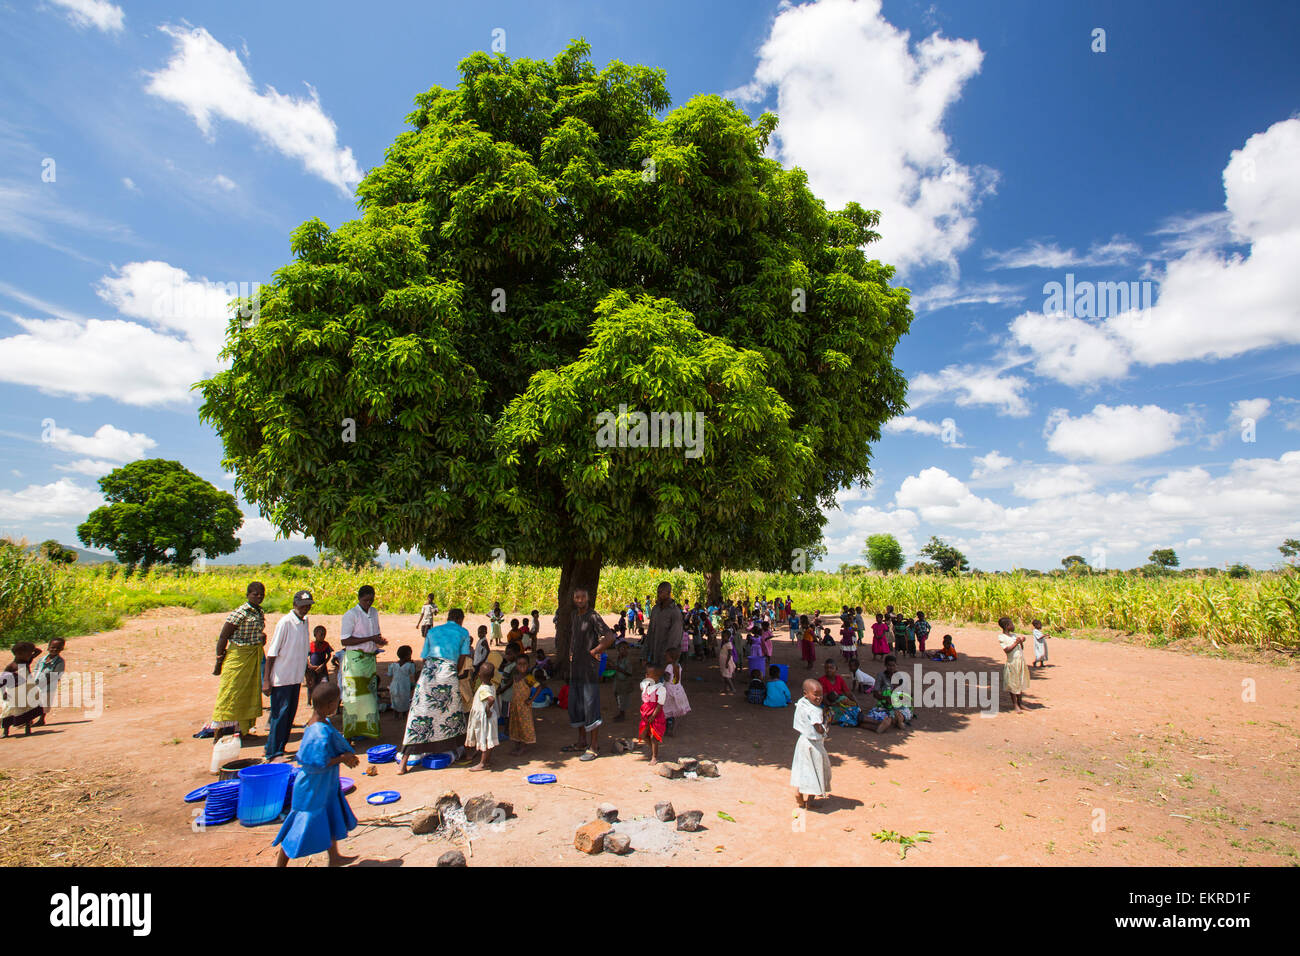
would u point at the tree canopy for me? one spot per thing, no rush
(947, 558)
(545, 245)
(160, 512)
(883, 552)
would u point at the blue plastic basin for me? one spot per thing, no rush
(261, 793)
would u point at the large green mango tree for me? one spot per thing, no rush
(547, 258)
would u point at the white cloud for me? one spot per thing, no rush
(93, 13)
(1249, 509)
(942, 499)
(919, 426)
(1212, 305)
(1113, 435)
(968, 386)
(225, 182)
(1053, 482)
(115, 444)
(862, 111)
(210, 82)
(1253, 408)
(945, 294)
(129, 183)
(990, 464)
(134, 363)
(89, 467)
(1038, 255)
(60, 499)
(1070, 350)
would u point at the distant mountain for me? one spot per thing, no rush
(83, 556)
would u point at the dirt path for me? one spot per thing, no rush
(1183, 770)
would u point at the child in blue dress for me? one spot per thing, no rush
(320, 816)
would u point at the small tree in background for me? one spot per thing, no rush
(948, 558)
(1290, 549)
(56, 553)
(160, 512)
(1163, 559)
(883, 552)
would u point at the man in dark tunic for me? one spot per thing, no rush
(590, 638)
(665, 627)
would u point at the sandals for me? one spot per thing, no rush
(572, 748)
(589, 755)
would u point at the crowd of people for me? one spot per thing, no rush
(465, 690)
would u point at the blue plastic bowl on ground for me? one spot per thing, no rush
(785, 672)
(384, 753)
(541, 778)
(346, 785)
(436, 761)
(261, 793)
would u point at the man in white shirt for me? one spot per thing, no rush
(361, 639)
(286, 665)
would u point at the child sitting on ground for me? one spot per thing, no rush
(757, 691)
(775, 692)
(862, 681)
(481, 734)
(946, 653)
(542, 695)
(319, 816)
(401, 681)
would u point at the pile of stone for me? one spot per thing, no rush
(449, 817)
(600, 836)
(688, 767)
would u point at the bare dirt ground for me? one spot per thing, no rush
(1183, 766)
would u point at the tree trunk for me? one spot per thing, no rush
(574, 573)
(713, 587)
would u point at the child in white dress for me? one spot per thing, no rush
(401, 680)
(676, 704)
(810, 771)
(1040, 645)
(482, 731)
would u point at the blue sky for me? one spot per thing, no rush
(174, 146)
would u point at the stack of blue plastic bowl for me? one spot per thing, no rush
(384, 753)
(220, 804)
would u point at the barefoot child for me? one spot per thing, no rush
(49, 671)
(482, 733)
(810, 771)
(727, 664)
(401, 679)
(522, 730)
(19, 696)
(1040, 645)
(653, 697)
(922, 630)
(1015, 673)
(320, 815)
(808, 636)
(624, 679)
